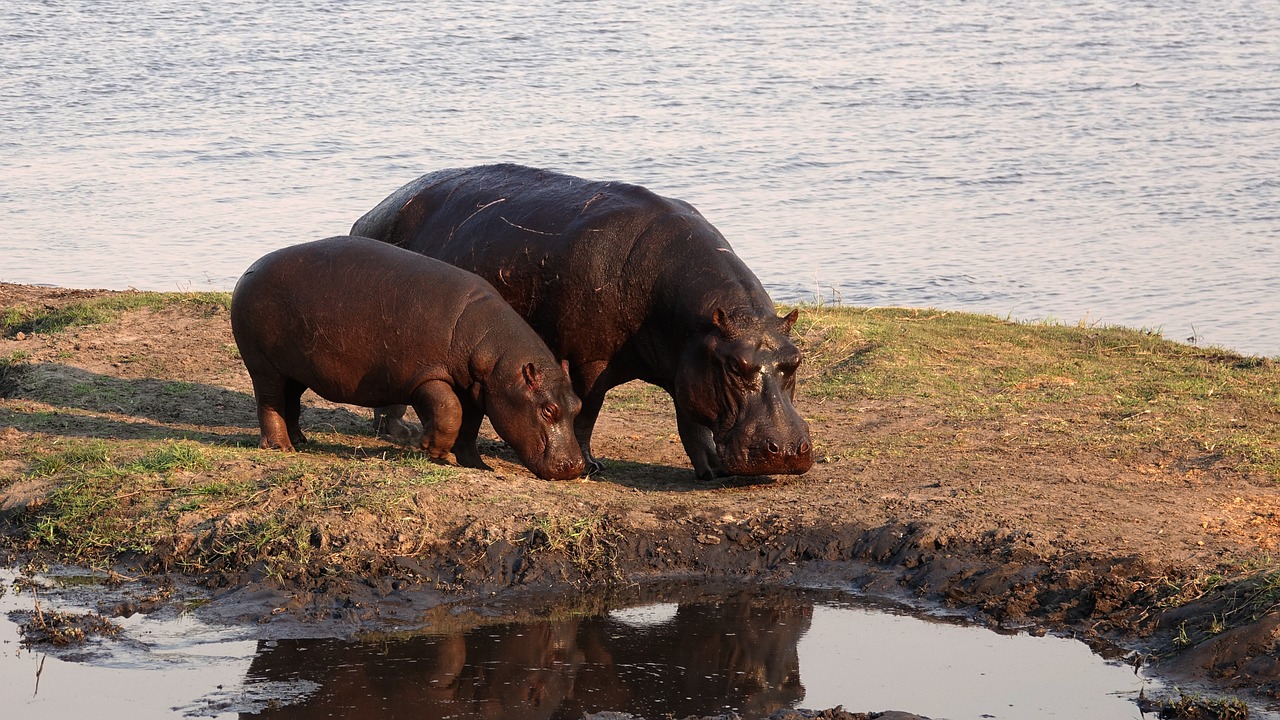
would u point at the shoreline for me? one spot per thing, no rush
(1098, 482)
(807, 298)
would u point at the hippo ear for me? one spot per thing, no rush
(721, 320)
(565, 364)
(789, 321)
(532, 377)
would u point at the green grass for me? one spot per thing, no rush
(212, 506)
(1106, 391)
(173, 456)
(17, 357)
(430, 472)
(637, 396)
(1194, 706)
(79, 457)
(1241, 600)
(24, 319)
(9, 368)
(1101, 388)
(588, 542)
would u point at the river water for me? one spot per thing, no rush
(1098, 161)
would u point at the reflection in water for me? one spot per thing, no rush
(704, 655)
(738, 653)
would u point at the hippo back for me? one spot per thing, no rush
(625, 284)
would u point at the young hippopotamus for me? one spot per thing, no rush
(624, 284)
(362, 322)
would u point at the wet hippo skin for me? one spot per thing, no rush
(362, 322)
(625, 285)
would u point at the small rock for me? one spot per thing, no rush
(20, 336)
(708, 539)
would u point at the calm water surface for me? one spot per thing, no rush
(695, 653)
(1113, 161)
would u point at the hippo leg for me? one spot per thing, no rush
(389, 422)
(590, 384)
(269, 391)
(293, 410)
(700, 444)
(583, 425)
(464, 448)
(441, 415)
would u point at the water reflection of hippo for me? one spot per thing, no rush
(365, 323)
(740, 653)
(626, 285)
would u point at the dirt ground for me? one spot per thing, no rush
(974, 515)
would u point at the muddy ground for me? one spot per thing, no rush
(1140, 549)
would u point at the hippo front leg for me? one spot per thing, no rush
(590, 383)
(441, 415)
(583, 426)
(700, 445)
(464, 448)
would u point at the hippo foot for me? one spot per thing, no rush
(271, 444)
(469, 461)
(436, 454)
(591, 466)
(400, 432)
(711, 475)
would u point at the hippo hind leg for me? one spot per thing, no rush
(270, 393)
(389, 422)
(293, 410)
(700, 445)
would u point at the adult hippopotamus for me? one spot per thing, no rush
(625, 284)
(362, 322)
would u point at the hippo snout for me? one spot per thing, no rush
(782, 457)
(562, 469)
(769, 456)
(788, 452)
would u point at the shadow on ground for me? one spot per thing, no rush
(78, 402)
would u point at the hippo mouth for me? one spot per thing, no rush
(766, 458)
(563, 470)
(547, 466)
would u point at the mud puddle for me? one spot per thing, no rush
(750, 653)
(681, 652)
(153, 665)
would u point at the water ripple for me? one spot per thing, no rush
(1101, 159)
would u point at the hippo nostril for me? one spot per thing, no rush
(804, 448)
(773, 448)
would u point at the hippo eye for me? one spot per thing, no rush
(743, 369)
(550, 413)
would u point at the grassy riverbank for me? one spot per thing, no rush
(1068, 475)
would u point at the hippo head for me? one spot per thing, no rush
(739, 380)
(532, 407)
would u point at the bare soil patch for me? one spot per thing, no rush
(1076, 513)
